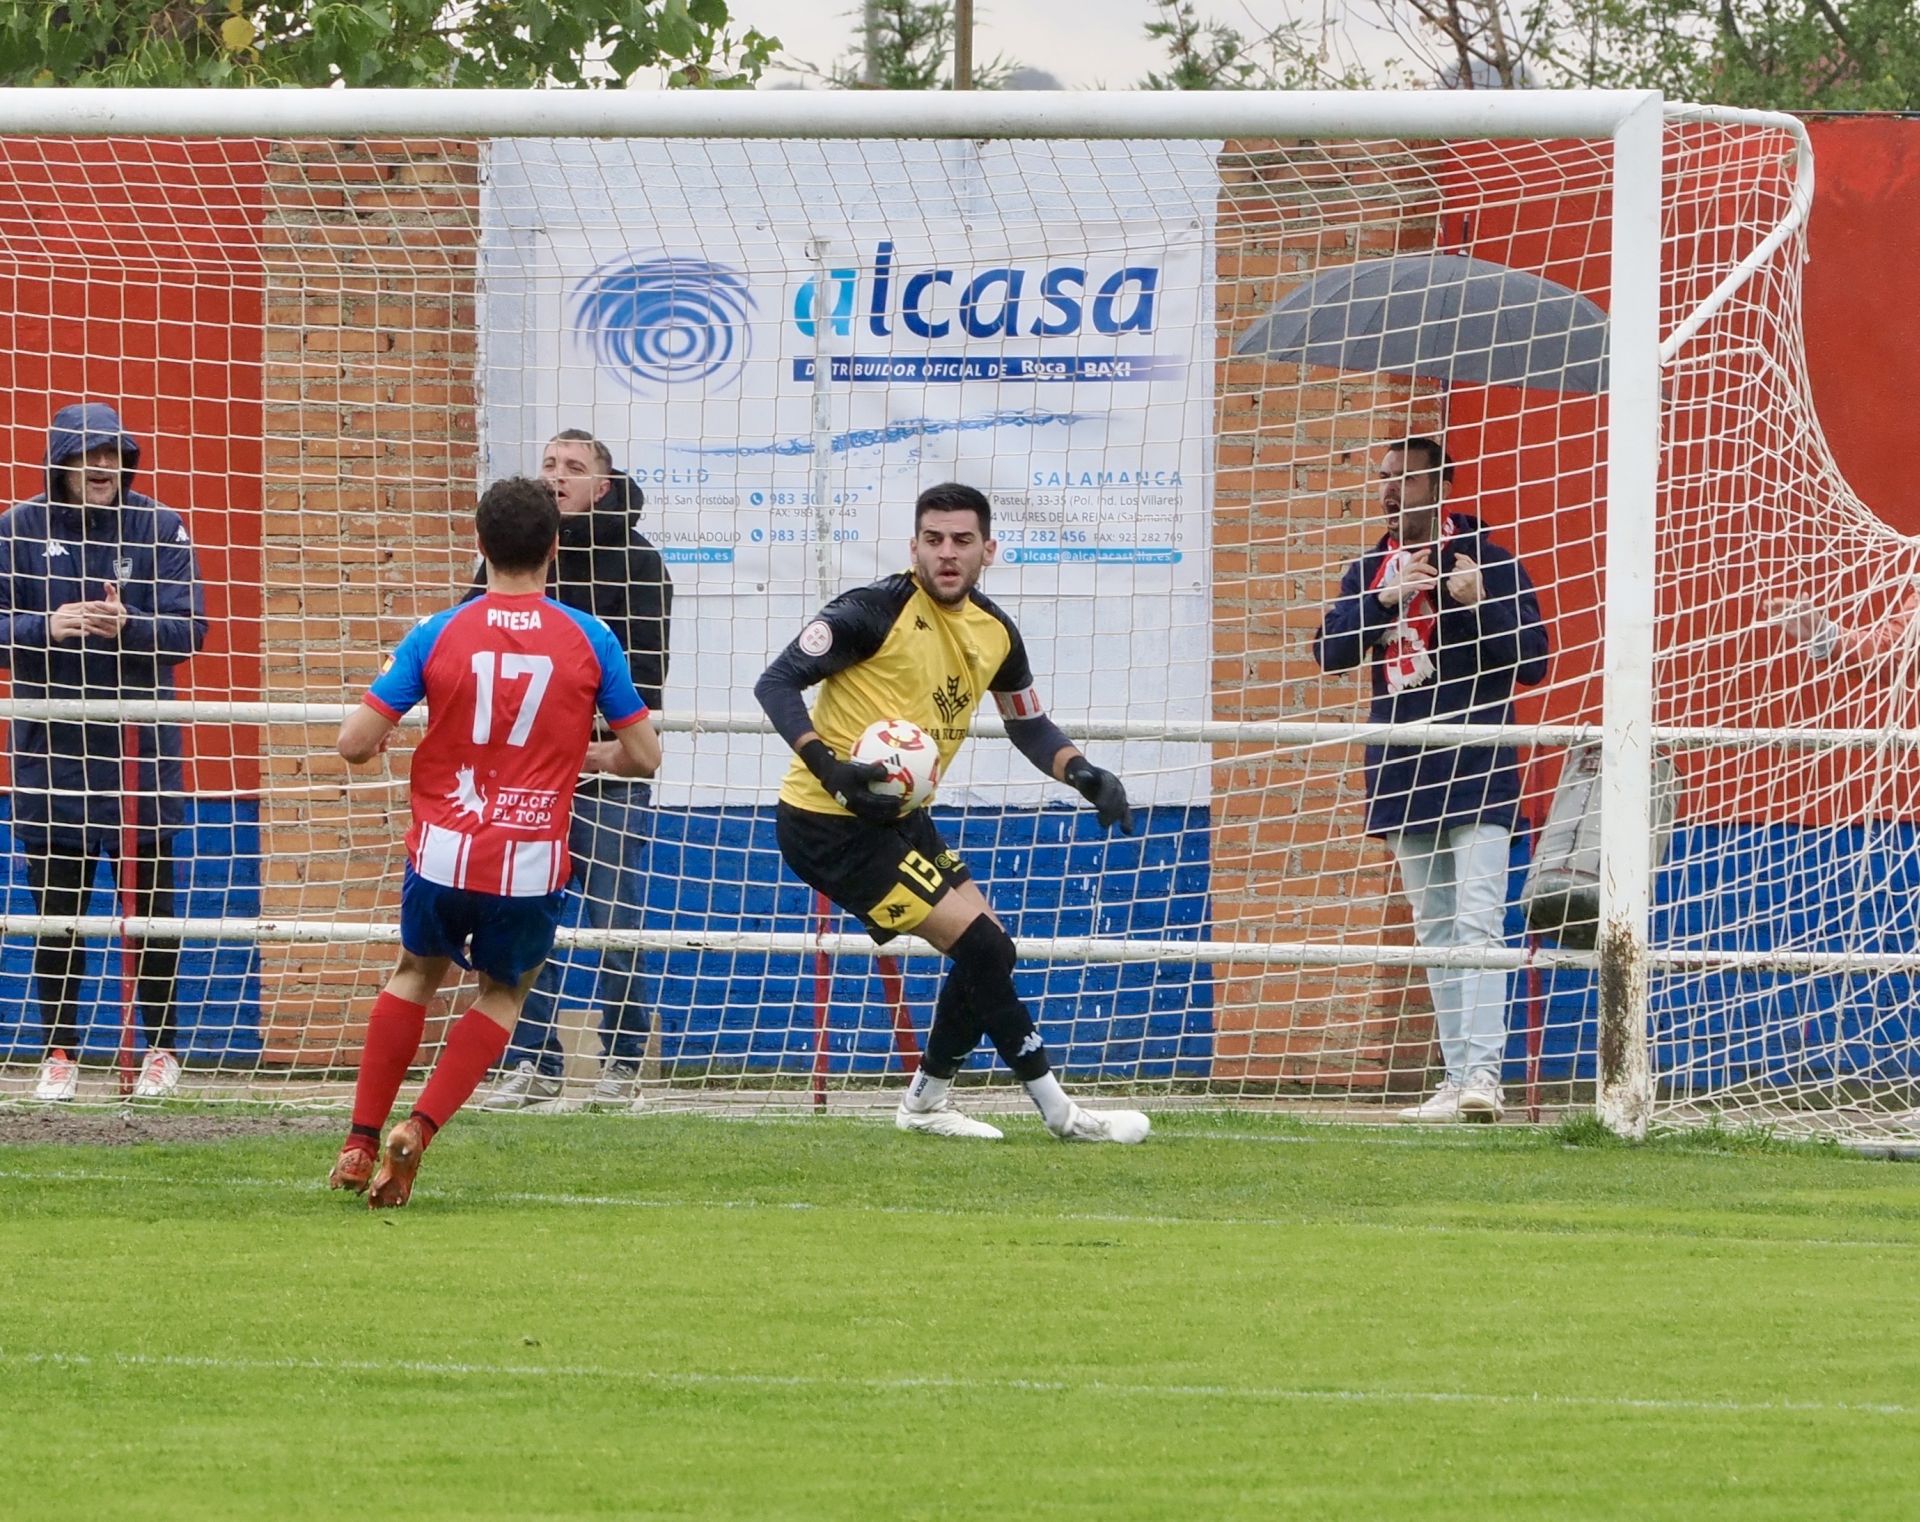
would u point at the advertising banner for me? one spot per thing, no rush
(785, 342)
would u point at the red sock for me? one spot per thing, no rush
(393, 1038)
(473, 1046)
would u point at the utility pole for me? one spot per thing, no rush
(963, 44)
(870, 27)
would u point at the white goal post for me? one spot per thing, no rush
(379, 223)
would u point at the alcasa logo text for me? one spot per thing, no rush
(1000, 301)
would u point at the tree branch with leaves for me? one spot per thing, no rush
(390, 43)
(909, 46)
(1289, 54)
(1792, 55)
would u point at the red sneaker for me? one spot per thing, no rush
(353, 1167)
(392, 1186)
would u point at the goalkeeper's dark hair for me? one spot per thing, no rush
(602, 456)
(1438, 461)
(952, 497)
(518, 523)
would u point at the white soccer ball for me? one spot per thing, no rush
(909, 754)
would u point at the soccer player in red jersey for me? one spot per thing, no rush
(511, 681)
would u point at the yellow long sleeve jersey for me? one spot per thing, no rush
(889, 651)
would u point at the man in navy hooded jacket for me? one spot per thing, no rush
(99, 600)
(1447, 623)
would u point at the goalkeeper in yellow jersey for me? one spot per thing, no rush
(925, 645)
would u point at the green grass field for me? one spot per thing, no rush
(678, 1317)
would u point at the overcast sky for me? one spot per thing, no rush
(1083, 43)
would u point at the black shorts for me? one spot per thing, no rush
(888, 875)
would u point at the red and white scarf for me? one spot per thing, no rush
(1408, 655)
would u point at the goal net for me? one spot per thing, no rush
(1174, 342)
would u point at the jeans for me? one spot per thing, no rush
(1457, 885)
(608, 843)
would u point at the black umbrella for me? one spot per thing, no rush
(1443, 317)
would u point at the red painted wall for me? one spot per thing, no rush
(130, 273)
(1863, 305)
(1531, 463)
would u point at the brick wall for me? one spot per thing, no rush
(370, 463)
(1292, 506)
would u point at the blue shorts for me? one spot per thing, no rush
(506, 938)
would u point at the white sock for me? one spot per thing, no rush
(1054, 1105)
(926, 1092)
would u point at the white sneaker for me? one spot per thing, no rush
(58, 1078)
(1441, 1108)
(159, 1075)
(1126, 1126)
(525, 1085)
(618, 1088)
(1481, 1099)
(945, 1121)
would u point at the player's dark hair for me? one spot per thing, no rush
(602, 456)
(952, 497)
(518, 523)
(1433, 452)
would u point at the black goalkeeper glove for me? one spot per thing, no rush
(847, 782)
(1103, 790)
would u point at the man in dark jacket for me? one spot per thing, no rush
(1447, 622)
(608, 567)
(99, 600)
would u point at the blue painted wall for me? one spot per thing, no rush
(1050, 872)
(1053, 873)
(1767, 887)
(218, 1000)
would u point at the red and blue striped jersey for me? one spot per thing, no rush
(511, 685)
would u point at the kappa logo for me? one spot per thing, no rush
(952, 700)
(896, 912)
(56, 548)
(1033, 1043)
(921, 623)
(180, 535)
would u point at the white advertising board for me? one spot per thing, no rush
(785, 342)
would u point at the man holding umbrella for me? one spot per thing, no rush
(1447, 623)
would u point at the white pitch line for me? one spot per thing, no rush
(909, 1384)
(1583, 1232)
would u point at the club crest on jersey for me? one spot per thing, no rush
(123, 570)
(952, 700)
(817, 637)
